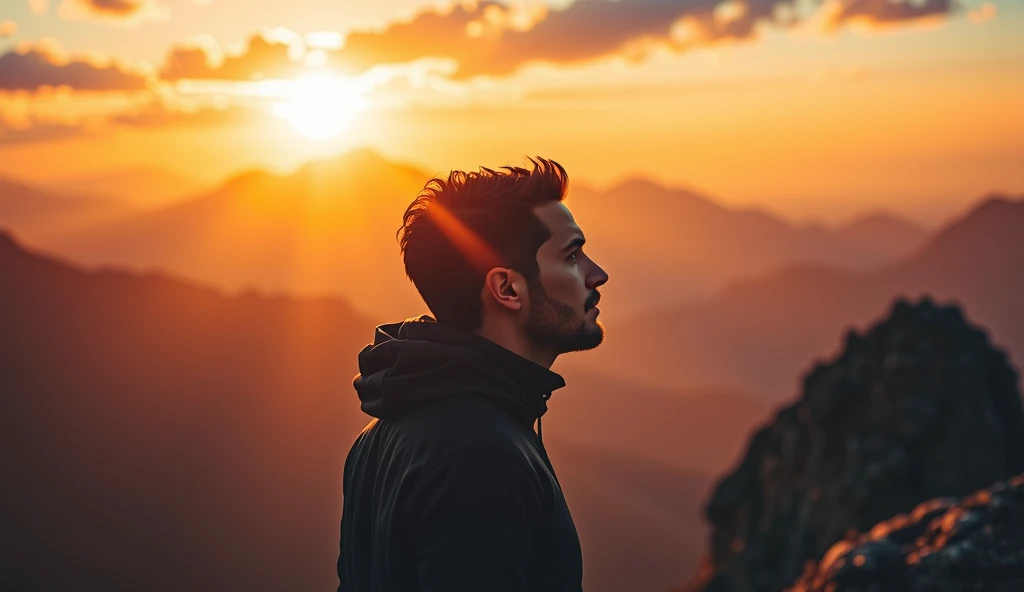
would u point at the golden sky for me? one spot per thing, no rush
(814, 108)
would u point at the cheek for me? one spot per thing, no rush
(565, 283)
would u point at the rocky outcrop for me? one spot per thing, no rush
(921, 406)
(941, 546)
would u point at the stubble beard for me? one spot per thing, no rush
(556, 325)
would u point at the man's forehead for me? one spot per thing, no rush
(558, 219)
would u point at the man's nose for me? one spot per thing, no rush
(597, 277)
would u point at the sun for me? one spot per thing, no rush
(320, 106)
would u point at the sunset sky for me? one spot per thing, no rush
(813, 109)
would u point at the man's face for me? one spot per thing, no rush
(563, 313)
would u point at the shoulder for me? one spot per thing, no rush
(450, 427)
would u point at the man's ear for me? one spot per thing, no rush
(505, 287)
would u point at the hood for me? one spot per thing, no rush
(419, 361)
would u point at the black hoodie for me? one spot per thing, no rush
(450, 489)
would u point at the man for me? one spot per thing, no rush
(449, 488)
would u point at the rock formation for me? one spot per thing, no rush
(921, 406)
(941, 546)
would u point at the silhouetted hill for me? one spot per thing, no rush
(156, 435)
(161, 436)
(144, 187)
(694, 431)
(636, 517)
(39, 215)
(328, 228)
(885, 233)
(919, 407)
(664, 246)
(758, 336)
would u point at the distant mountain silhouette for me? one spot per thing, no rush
(145, 187)
(330, 228)
(697, 431)
(636, 518)
(161, 436)
(758, 336)
(39, 215)
(888, 234)
(663, 246)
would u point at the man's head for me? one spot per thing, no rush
(498, 252)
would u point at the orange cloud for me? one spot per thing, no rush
(880, 13)
(35, 129)
(32, 128)
(982, 14)
(484, 38)
(113, 7)
(8, 29)
(163, 115)
(115, 12)
(32, 66)
(39, 7)
(488, 38)
(262, 58)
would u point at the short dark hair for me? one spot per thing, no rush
(460, 227)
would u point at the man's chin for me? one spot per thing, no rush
(590, 337)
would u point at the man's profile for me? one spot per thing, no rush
(449, 488)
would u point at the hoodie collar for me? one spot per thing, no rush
(420, 360)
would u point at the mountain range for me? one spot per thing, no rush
(164, 436)
(144, 187)
(665, 246)
(329, 228)
(758, 336)
(40, 215)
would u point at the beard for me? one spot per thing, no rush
(557, 325)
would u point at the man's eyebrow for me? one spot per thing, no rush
(577, 241)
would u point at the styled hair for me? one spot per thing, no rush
(460, 227)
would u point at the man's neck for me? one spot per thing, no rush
(517, 344)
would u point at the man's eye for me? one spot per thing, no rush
(572, 256)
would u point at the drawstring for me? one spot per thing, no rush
(540, 441)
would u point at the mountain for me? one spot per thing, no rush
(698, 431)
(890, 235)
(164, 436)
(161, 436)
(636, 517)
(663, 246)
(38, 214)
(758, 336)
(144, 187)
(328, 228)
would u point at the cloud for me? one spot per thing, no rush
(8, 29)
(484, 38)
(45, 63)
(39, 7)
(35, 129)
(122, 13)
(156, 115)
(162, 115)
(880, 13)
(264, 56)
(488, 38)
(982, 14)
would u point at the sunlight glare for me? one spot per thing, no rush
(321, 106)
